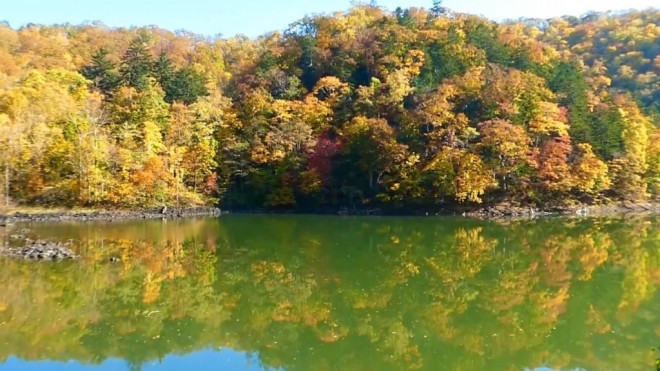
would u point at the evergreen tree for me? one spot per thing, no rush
(607, 128)
(569, 83)
(163, 71)
(101, 72)
(437, 9)
(185, 86)
(136, 65)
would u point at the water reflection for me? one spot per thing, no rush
(205, 360)
(324, 293)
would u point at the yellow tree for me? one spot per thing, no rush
(139, 121)
(505, 145)
(331, 89)
(438, 119)
(459, 174)
(88, 139)
(549, 121)
(590, 173)
(630, 169)
(11, 137)
(200, 159)
(653, 173)
(36, 113)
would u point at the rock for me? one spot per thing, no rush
(156, 213)
(39, 250)
(374, 212)
(645, 206)
(629, 205)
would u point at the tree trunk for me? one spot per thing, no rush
(176, 179)
(6, 185)
(80, 170)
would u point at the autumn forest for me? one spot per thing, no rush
(356, 109)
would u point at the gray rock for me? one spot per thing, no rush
(39, 250)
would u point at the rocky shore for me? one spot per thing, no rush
(506, 210)
(108, 215)
(39, 250)
(503, 210)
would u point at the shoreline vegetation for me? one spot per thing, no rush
(366, 111)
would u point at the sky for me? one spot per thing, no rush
(224, 359)
(257, 17)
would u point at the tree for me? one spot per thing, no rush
(136, 65)
(440, 122)
(553, 171)
(11, 136)
(101, 72)
(200, 159)
(131, 110)
(402, 107)
(570, 85)
(653, 156)
(140, 121)
(591, 174)
(35, 111)
(458, 174)
(331, 89)
(507, 147)
(630, 169)
(371, 145)
(549, 121)
(437, 9)
(164, 72)
(607, 129)
(90, 151)
(186, 86)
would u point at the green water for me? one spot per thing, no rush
(328, 293)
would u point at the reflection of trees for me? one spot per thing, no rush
(328, 293)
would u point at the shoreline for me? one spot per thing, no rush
(485, 212)
(584, 210)
(57, 214)
(490, 212)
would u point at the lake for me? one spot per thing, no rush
(325, 293)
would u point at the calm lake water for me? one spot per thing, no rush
(329, 293)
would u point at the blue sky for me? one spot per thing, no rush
(256, 17)
(216, 360)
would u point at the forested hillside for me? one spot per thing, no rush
(367, 107)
